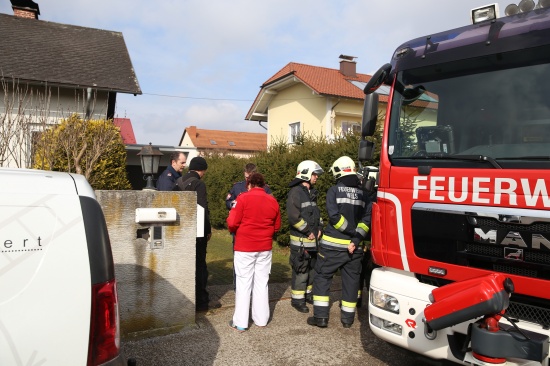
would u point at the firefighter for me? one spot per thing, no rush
(305, 229)
(341, 246)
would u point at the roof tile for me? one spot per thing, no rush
(243, 141)
(323, 80)
(126, 130)
(45, 52)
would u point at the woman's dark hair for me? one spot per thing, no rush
(256, 180)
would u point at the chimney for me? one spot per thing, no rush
(348, 67)
(25, 9)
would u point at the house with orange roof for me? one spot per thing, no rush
(312, 100)
(239, 144)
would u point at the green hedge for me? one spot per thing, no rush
(278, 165)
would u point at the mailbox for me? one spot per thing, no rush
(155, 215)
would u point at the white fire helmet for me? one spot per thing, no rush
(343, 166)
(306, 168)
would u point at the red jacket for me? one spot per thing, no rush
(254, 219)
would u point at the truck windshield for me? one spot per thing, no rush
(487, 112)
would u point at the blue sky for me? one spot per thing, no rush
(202, 62)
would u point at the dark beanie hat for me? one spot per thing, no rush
(198, 163)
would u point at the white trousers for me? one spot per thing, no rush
(251, 276)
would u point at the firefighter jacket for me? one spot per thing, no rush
(304, 216)
(349, 215)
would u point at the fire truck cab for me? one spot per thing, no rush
(461, 226)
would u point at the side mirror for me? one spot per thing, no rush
(366, 150)
(377, 79)
(370, 115)
(370, 108)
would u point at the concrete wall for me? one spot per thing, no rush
(156, 287)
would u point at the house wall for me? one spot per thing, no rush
(25, 110)
(187, 142)
(236, 153)
(54, 102)
(346, 111)
(296, 104)
(318, 115)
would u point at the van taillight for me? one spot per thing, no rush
(104, 324)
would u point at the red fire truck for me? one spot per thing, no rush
(461, 226)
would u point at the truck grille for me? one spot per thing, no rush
(455, 238)
(496, 251)
(537, 257)
(537, 227)
(458, 235)
(489, 250)
(515, 270)
(530, 313)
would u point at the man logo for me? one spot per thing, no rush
(538, 241)
(513, 253)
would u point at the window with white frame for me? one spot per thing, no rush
(293, 132)
(350, 127)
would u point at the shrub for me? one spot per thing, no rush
(93, 148)
(278, 165)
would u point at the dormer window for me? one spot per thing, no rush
(231, 143)
(213, 142)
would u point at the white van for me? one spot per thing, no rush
(58, 300)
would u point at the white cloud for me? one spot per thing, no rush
(226, 49)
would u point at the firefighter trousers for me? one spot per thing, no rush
(328, 262)
(303, 273)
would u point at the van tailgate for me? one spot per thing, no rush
(45, 284)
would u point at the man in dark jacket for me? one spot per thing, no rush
(341, 246)
(167, 179)
(305, 229)
(242, 186)
(192, 181)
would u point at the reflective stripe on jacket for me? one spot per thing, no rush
(303, 216)
(349, 216)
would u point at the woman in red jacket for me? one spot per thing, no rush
(254, 219)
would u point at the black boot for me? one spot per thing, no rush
(318, 322)
(347, 325)
(301, 307)
(309, 299)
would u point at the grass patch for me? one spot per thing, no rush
(220, 260)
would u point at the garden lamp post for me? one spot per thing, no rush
(150, 159)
